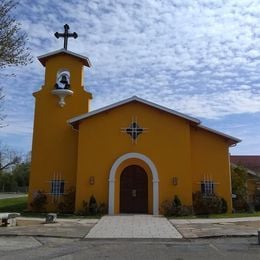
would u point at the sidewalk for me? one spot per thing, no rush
(225, 227)
(134, 226)
(64, 228)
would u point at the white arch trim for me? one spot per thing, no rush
(112, 174)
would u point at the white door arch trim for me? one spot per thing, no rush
(111, 180)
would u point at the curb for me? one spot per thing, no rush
(128, 239)
(220, 236)
(39, 235)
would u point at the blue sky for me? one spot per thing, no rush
(199, 57)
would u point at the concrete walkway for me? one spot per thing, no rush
(133, 226)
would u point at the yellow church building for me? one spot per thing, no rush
(131, 155)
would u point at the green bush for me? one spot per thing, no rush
(175, 208)
(102, 208)
(240, 205)
(39, 201)
(208, 205)
(92, 208)
(67, 205)
(166, 207)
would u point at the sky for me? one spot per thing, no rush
(199, 57)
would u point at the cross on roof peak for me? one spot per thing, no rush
(66, 35)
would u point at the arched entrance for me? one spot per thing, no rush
(133, 190)
(112, 174)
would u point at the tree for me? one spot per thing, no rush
(13, 50)
(14, 172)
(21, 174)
(2, 115)
(8, 158)
(239, 178)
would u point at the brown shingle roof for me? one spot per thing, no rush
(251, 162)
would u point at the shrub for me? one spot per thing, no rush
(208, 205)
(167, 208)
(85, 209)
(185, 211)
(175, 208)
(102, 208)
(240, 205)
(67, 205)
(92, 208)
(39, 201)
(223, 206)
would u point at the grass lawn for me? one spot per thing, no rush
(13, 204)
(20, 205)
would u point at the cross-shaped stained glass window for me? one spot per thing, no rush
(134, 130)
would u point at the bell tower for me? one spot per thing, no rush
(54, 146)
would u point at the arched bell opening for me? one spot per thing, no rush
(62, 86)
(62, 79)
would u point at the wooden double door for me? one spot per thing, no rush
(133, 190)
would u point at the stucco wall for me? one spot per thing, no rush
(54, 148)
(166, 143)
(210, 159)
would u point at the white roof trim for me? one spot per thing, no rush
(219, 133)
(125, 101)
(60, 51)
(170, 111)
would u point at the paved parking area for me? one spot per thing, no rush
(133, 226)
(64, 228)
(199, 228)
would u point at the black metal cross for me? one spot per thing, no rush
(66, 35)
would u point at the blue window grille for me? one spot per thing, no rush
(207, 188)
(57, 187)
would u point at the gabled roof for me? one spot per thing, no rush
(43, 58)
(76, 120)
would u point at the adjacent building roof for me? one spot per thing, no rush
(250, 172)
(76, 120)
(251, 162)
(43, 58)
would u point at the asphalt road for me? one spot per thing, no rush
(67, 249)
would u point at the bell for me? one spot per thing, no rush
(64, 80)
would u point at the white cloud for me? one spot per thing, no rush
(199, 57)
